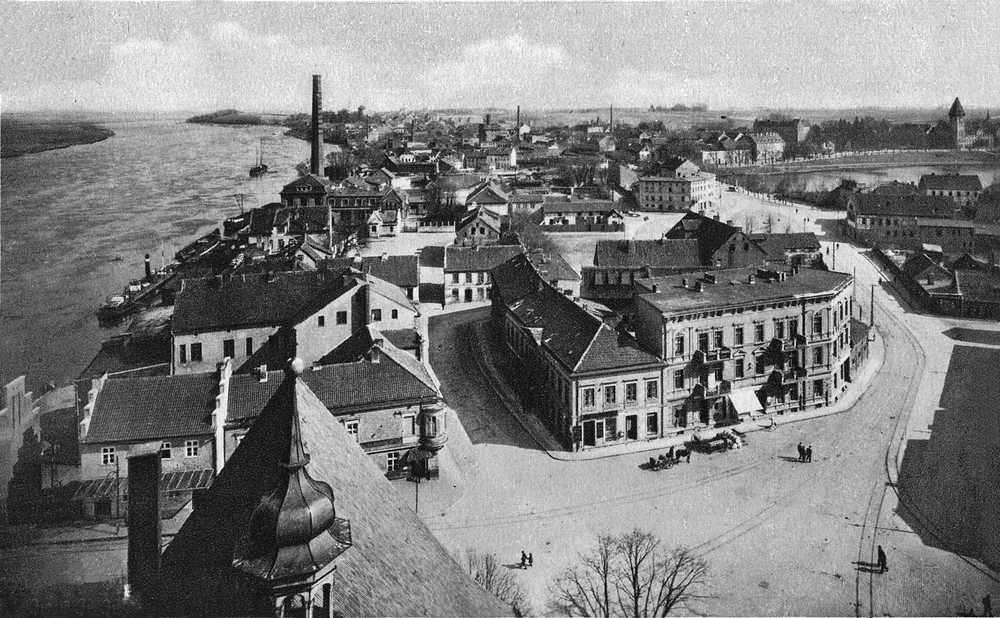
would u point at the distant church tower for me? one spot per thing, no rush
(956, 120)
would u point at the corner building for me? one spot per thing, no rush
(745, 342)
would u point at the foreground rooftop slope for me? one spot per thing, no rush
(395, 566)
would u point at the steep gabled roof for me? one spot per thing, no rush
(395, 566)
(579, 340)
(154, 408)
(311, 181)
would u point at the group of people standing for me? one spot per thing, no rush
(805, 453)
(527, 560)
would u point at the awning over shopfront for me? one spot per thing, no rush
(183, 480)
(744, 401)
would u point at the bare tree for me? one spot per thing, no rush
(490, 573)
(630, 575)
(769, 223)
(749, 222)
(586, 589)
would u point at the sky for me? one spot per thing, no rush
(740, 54)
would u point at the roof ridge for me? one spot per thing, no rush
(592, 339)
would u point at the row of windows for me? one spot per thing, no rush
(783, 328)
(409, 426)
(480, 277)
(610, 392)
(192, 448)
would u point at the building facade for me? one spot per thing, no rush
(743, 342)
(909, 221)
(679, 187)
(591, 385)
(467, 271)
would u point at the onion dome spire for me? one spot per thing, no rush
(294, 534)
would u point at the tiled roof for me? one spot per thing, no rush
(978, 285)
(484, 216)
(709, 233)
(580, 206)
(404, 339)
(153, 408)
(206, 305)
(308, 180)
(672, 296)
(401, 270)
(395, 567)
(951, 182)
(248, 395)
(867, 204)
(578, 339)
(664, 253)
(775, 245)
(552, 266)
(481, 258)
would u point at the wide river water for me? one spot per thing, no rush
(65, 215)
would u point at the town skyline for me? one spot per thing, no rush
(173, 57)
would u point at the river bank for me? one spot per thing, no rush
(22, 137)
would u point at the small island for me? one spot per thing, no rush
(26, 137)
(228, 116)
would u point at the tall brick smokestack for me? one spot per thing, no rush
(316, 162)
(517, 125)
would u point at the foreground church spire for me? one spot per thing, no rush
(294, 535)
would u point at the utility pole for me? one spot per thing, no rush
(871, 318)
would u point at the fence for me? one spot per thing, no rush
(584, 227)
(431, 226)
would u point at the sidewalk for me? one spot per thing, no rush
(541, 435)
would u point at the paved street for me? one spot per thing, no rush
(783, 538)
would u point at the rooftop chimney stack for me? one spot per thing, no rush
(317, 141)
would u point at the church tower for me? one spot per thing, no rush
(956, 120)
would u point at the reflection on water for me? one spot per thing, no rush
(152, 188)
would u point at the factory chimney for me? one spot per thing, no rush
(611, 123)
(517, 126)
(316, 162)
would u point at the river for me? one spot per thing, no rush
(826, 180)
(67, 214)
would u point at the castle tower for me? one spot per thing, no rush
(956, 120)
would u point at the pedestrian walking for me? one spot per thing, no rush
(802, 452)
(524, 559)
(809, 454)
(882, 566)
(531, 560)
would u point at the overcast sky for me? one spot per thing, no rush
(254, 56)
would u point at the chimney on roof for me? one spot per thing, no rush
(144, 526)
(376, 351)
(717, 217)
(262, 374)
(698, 286)
(656, 288)
(149, 269)
(729, 222)
(751, 279)
(317, 142)
(385, 256)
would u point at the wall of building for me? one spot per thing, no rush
(699, 396)
(313, 341)
(91, 466)
(212, 348)
(907, 232)
(382, 432)
(18, 415)
(455, 292)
